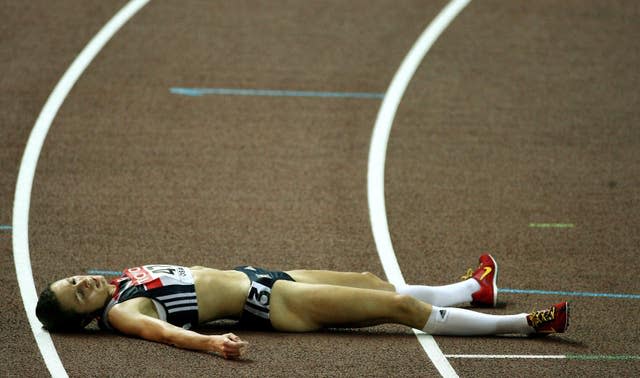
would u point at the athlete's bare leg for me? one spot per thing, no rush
(364, 280)
(302, 307)
(447, 295)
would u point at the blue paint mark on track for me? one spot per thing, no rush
(272, 93)
(570, 293)
(104, 272)
(5, 228)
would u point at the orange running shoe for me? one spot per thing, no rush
(487, 275)
(552, 320)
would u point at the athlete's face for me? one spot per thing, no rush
(83, 294)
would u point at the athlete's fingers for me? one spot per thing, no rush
(235, 345)
(235, 339)
(233, 348)
(243, 347)
(232, 337)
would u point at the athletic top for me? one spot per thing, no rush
(170, 287)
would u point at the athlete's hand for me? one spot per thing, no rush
(230, 346)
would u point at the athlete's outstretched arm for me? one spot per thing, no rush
(134, 323)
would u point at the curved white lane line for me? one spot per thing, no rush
(377, 155)
(22, 198)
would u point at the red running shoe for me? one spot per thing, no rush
(487, 275)
(552, 320)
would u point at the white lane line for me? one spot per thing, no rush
(377, 156)
(22, 198)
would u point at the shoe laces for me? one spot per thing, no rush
(543, 316)
(467, 275)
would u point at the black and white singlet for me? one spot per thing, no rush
(171, 289)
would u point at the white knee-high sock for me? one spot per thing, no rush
(460, 322)
(447, 295)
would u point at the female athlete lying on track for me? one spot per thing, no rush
(161, 302)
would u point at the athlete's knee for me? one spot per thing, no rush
(404, 302)
(370, 276)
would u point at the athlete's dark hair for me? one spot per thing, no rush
(56, 319)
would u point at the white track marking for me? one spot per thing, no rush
(22, 198)
(377, 155)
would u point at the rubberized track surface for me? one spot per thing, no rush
(522, 113)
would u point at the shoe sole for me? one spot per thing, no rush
(566, 318)
(495, 281)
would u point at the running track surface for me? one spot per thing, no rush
(522, 113)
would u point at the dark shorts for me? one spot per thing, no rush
(256, 307)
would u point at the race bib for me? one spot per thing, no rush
(159, 275)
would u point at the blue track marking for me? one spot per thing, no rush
(570, 293)
(104, 272)
(8, 229)
(500, 290)
(272, 93)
